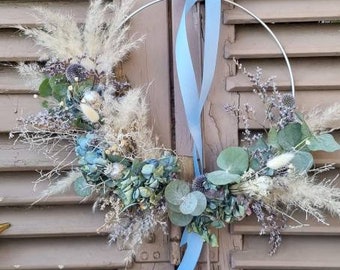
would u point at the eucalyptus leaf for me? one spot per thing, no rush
(235, 160)
(179, 219)
(323, 142)
(290, 136)
(81, 187)
(193, 203)
(176, 191)
(220, 178)
(174, 208)
(273, 138)
(59, 87)
(302, 161)
(45, 89)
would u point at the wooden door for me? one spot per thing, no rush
(309, 32)
(61, 232)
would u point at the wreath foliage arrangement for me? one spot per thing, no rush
(103, 120)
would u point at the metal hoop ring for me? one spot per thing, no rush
(291, 76)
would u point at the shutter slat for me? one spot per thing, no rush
(17, 189)
(299, 40)
(17, 106)
(295, 252)
(310, 73)
(250, 226)
(48, 221)
(284, 11)
(306, 100)
(13, 13)
(68, 253)
(12, 83)
(19, 157)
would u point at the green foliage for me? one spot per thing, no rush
(220, 178)
(193, 204)
(179, 219)
(323, 142)
(234, 160)
(273, 138)
(45, 89)
(302, 161)
(59, 87)
(176, 191)
(290, 136)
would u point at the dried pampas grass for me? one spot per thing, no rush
(100, 44)
(60, 186)
(303, 192)
(31, 73)
(128, 115)
(324, 119)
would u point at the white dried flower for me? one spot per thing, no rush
(114, 170)
(70, 87)
(259, 187)
(35, 96)
(280, 161)
(89, 113)
(91, 97)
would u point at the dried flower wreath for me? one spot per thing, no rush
(103, 120)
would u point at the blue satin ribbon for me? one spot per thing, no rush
(194, 100)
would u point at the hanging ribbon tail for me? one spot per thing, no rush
(194, 247)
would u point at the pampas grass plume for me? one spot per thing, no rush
(60, 186)
(324, 119)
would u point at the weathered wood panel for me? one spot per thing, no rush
(299, 40)
(11, 82)
(13, 13)
(306, 100)
(310, 73)
(295, 252)
(60, 253)
(62, 221)
(19, 157)
(59, 232)
(284, 11)
(17, 189)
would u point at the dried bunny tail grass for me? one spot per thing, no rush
(302, 191)
(129, 114)
(324, 119)
(59, 186)
(31, 73)
(59, 34)
(115, 43)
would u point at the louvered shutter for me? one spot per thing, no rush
(61, 232)
(310, 33)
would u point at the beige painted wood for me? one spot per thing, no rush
(16, 106)
(296, 252)
(149, 65)
(11, 82)
(13, 13)
(250, 226)
(299, 40)
(19, 157)
(16, 48)
(48, 221)
(284, 11)
(306, 100)
(17, 189)
(59, 253)
(310, 73)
